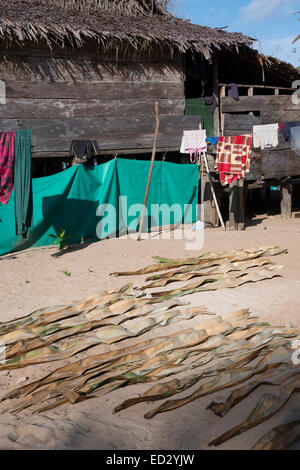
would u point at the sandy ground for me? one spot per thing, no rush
(34, 279)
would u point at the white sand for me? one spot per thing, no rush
(91, 425)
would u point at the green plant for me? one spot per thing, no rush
(67, 273)
(60, 239)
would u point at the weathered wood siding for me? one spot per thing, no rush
(271, 163)
(68, 94)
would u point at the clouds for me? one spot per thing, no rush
(258, 10)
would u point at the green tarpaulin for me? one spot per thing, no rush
(86, 203)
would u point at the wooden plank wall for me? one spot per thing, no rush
(68, 94)
(266, 109)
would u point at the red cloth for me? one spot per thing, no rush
(7, 161)
(233, 157)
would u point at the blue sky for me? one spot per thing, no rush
(273, 22)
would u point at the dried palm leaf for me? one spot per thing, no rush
(280, 438)
(214, 271)
(214, 266)
(241, 255)
(268, 405)
(223, 281)
(91, 385)
(270, 361)
(240, 394)
(105, 335)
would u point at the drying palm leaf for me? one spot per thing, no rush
(219, 266)
(95, 382)
(175, 386)
(268, 405)
(275, 359)
(48, 315)
(240, 394)
(164, 345)
(208, 273)
(34, 337)
(100, 386)
(241, 255)
(151, 348)
(223, 281)
(280, 438)
(105, 335)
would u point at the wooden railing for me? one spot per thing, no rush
(253, 102)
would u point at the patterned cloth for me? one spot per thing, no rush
(233, 157)
(7, 161)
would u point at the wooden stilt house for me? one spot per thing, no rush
(92, 69)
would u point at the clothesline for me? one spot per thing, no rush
(234, 152)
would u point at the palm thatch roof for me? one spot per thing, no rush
(138, 22)
(141, 24)
(280, 67)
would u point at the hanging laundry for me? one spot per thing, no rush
(233, 157)
(7, 161)
(212, 140)
(211, 102)
(285, 129)
(196, 107)
(234, 92)
(23, 182)
(194, 143)
(84, 150)
(295, 139)
(265, 136)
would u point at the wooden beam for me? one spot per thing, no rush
(222, 115)
(107, 90)
(216, 94)
(268, 87)
(241, 205)
(111, 132)
(258, 103)
(233, 205)
(286, 201)
(236, 205)
(210, 211)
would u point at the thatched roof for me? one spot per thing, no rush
(282, 68)
(139, 22)
(125, 7)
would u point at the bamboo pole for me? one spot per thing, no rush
(150, 170)
(213, 191)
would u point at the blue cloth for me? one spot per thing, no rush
(285, 129)
(212, 140)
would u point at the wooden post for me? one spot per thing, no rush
(250, 93)
(216, 94)
(222, 95)
(241, 205)
(286, 201)
(233, 204)
(150, 169)
(210, 210)
(236, 205)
